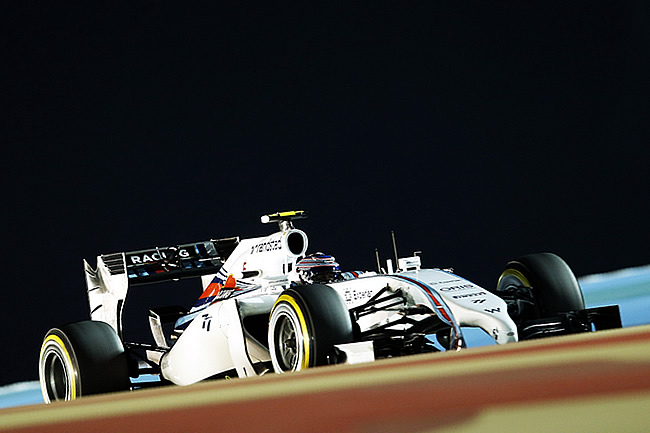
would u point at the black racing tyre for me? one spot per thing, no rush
(543, 280)
(82, 358)
(305, 324)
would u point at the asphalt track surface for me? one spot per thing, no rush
(596, 382)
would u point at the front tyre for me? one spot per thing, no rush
(82, 358)
(539, 285)
(305, 324)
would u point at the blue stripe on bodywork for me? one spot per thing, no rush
(442, 309)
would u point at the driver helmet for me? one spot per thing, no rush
(318, 268)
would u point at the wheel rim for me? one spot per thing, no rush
(56, 373)
(512, 277)
(56, 377)
(287, 342)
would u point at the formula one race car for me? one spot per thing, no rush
(268, 307)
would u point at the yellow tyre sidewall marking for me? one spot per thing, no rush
(515, 273)
(303, 326)
(59, 342)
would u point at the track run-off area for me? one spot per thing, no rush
(580, 383)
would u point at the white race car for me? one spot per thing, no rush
(268, 307)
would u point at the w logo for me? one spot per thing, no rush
(493, 310)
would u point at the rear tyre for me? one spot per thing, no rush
(82, 358)
(305, 324)
(538, 286)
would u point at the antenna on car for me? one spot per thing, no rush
(389, 262)
(379, 269)
(284, 219)
(392, 234)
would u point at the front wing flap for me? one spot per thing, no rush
(572, 322)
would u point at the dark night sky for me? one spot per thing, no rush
(477, 132)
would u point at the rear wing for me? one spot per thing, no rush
(108, 284)
(174, 263)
